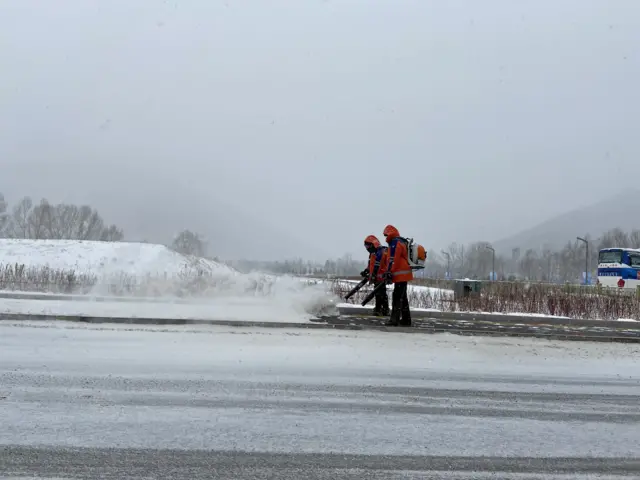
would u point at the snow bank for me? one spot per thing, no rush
(154, 270)
(103, 258)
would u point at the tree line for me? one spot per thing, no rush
(47, 221)
(63, 221)
(475, 261)
(344, 266)
(566, 264)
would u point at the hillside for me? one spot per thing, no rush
(616, 211)
(103, 258)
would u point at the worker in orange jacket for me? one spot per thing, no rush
(378, 260)
(399, 273)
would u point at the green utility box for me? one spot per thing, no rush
(466, 288)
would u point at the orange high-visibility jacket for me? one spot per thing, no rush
(398, 256)
(378, 263)
(379, 260)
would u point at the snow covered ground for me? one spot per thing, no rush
(236, 309)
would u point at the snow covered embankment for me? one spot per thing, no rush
(150, 270)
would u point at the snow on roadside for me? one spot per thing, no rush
(256, 310)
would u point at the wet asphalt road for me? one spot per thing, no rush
(87, 402)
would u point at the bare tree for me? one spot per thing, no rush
(478, 259)
(614, 238)
(529, 264)
(112, 234)
(4, 216)
(19, 221)
(39, 221)
(90, 225)
(546, 263)
(189, 243)
(634, 239)
(62, 221)
(456, 254)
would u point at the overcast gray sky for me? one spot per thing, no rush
(297, 127)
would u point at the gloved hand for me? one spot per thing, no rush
(386, 276)
(364, 273)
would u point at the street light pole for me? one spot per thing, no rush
(493, 262)
(586, 260)
(448, 263)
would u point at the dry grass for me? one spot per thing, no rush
(188, 283)
(44, 279)
(519, 297)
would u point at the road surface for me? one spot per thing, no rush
(87, 401)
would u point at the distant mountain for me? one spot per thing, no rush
(620, 211)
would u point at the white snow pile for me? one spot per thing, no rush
(151, 270)
(103, 258)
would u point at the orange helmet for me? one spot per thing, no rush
(371, 242)
(390, 232)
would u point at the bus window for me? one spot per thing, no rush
(612, 256)
(634, 260)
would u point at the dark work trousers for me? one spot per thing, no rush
(382, 300)
(400, 314)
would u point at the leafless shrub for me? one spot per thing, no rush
(190, 282)
(418, 298)
(520, 297)
(44, 279)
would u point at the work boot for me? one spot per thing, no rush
(393, 321)
(405, 320)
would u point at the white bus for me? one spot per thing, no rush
(619, 267)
